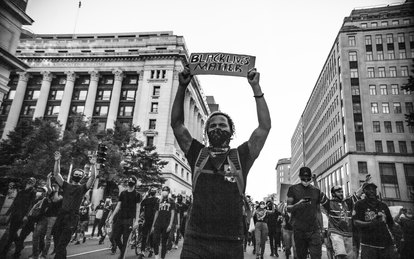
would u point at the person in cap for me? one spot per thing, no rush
(127, 210)
(21, 205)
(339, 212)
(303, 201)
(73, 194)
(374, 220)
(149, 206)
(215, 227)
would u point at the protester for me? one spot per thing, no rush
(274, 224)
(128, 210)
(406, 220)
(181, 209)
(374, 220)
(73, 193)
(83, 222)
(108, 229)
(260, 218)
(101, 227)
(287, 233)
(215, 225)
(98, 217)
(303, 202)
(148, 207)
(247, 215)
(22, 204)
(163, 222)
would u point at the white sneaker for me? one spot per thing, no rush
(157, 257)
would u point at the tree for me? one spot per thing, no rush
(409, 117)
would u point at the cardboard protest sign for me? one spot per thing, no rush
(221, 64)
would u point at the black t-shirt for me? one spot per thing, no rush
(84, 213)
(180, 209)
(377, 235)
(23, 202)
(164, 213)
(53, 207)
(149, 205)
(72, 196)
(305, 217)
(273, 220)
(217, 210)
(129, 202)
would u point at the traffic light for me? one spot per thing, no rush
(102, 153)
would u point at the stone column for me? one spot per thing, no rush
(44, 95)
(138, 96)
(17, 103)
(115, 96)
(91, 97)
(67, 99)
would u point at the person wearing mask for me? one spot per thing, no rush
(219, 175)
(73, 193)
(163, 222)
(148, 207)
(101, 227)
(181, 209)
(406, 220)
(374, 220)
(21, 205)
(98, 217)
(287, 233)
(83, 222)
(128, 210)
(303, 202)
(274, 224)
(260, 218)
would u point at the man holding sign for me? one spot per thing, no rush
(215, 228)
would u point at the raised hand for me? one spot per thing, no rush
(184, 77)
(58, 156)
(253, 77)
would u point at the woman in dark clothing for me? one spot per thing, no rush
(274, 223)
(261, 230)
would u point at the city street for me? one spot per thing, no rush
(90, 249)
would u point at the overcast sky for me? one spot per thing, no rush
(290, 39)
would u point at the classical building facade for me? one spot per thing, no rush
(353, 124)
(129, 77)
(12, 17)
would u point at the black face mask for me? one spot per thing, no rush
(131, 184)
(76, 178)
(219, 138)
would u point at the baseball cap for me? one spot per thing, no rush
(365, 185)
(305, 172)
(336, 188)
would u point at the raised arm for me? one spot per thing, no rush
(49, 184)
(181, 133)
(91, 180)
(56, 169)
(259, 135)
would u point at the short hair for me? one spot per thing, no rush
(78, 169)
(229, 120)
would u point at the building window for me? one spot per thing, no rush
(32, 94)
(389, 38)
(106, 80)
(78, 109)
(399, 126)
(352, 56)
(372, 90)
(131, 80)
(356, 107)
(383, 89)
(351, 41)
(389, 182)
(403, 147)
(101, 110)
(397, 107)
(374, 108)
(376, 126)
(406, 21)
(390, 147)
(391, 54)
(80, 95)
(370, 57)
(154, 107)
(360, 146)
(381, 72)
(378, 39)
(400, 38)
(28, 110)
(156, 90)
(404, 71)
(126, 110)
(354, 73)
(158, 74)
(411, 128)
(355, 89)
(385, 108)
(394, 89)
(152, 124)
(374, 24)
(10, 95)
(409, 107)
(128, 95)
(378, 146)
(370, 72)
(176, 169)
(384, 23)
(104, 95)
(150, 142)
(359, 127)
(56, 95)
(53, 110)
(380, 55)
(5, 108)
(402, 54)
(409, 179)
(368, 40)
(387, 127)
(362, 167)
(363, 25)
(393, 72)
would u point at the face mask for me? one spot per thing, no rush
(164, 193)
(76, 178)
(218, 137)
(262, 206)
(131, 184)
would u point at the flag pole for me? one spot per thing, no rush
(76, 19)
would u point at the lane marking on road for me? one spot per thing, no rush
(88, 252)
